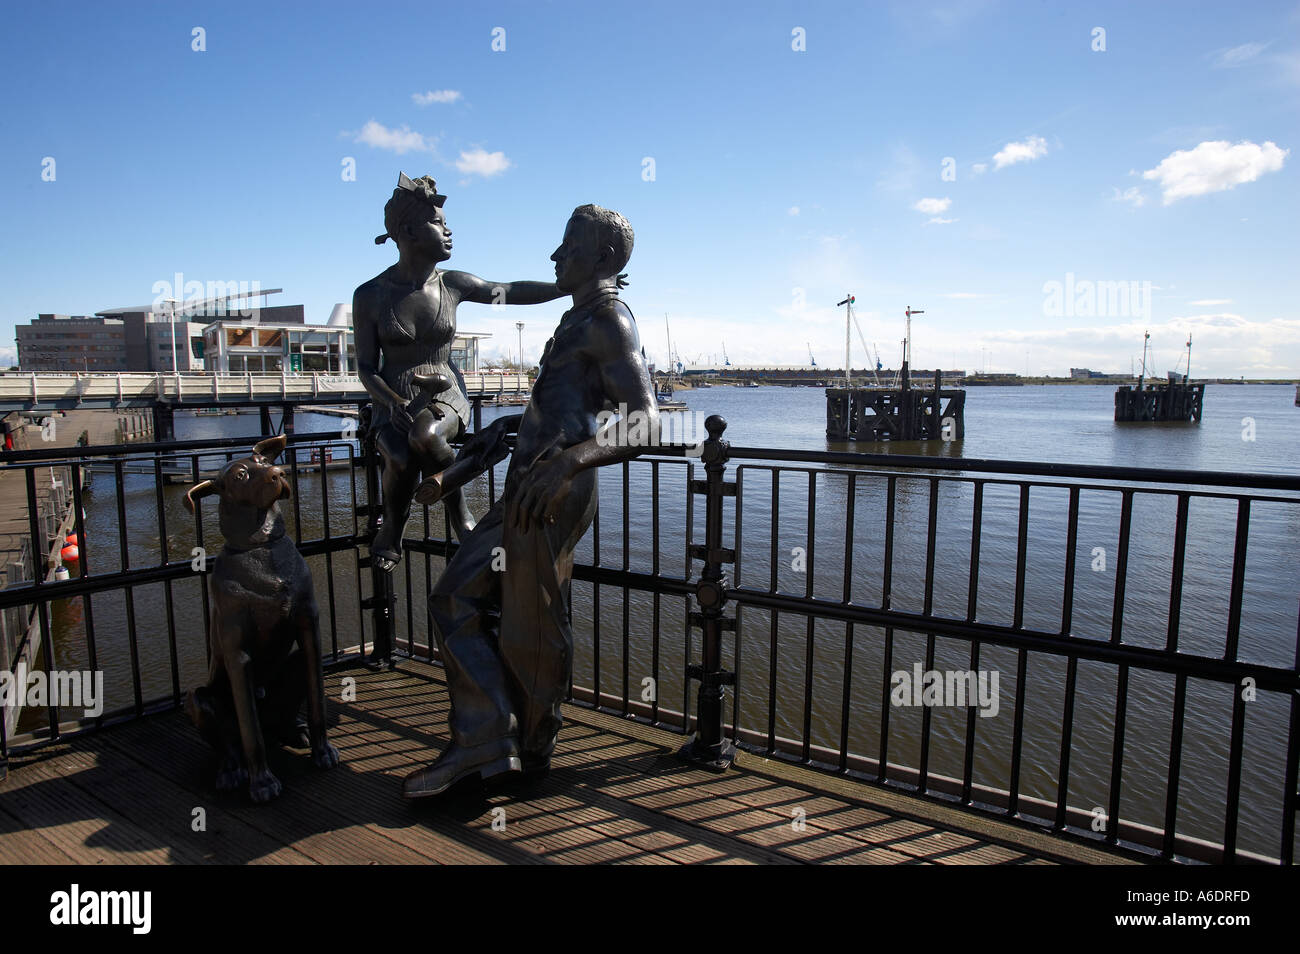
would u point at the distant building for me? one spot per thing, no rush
(144, 338)
(72, 343)
(1087, 373)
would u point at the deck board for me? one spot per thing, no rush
(616, 794)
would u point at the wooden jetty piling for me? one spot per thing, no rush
(903, 413)
(1159, 401)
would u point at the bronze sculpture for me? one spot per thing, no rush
(405, 321)
(263, 603)
(504, 636)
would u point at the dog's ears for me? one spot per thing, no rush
(272, 447)
(200, 490)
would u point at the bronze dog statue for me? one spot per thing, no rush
(263, 602)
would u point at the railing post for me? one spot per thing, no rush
(383, 600)
(707, 746)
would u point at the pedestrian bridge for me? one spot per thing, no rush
(25, 391)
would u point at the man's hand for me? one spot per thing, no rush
(542, 493)
(489, 443)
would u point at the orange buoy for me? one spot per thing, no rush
(72, 539)
(70, 553)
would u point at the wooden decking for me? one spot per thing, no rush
(617, 793)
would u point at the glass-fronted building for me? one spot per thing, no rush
(235, 347)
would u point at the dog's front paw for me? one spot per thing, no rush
(231, 776)
(264, 787)
(325, 756)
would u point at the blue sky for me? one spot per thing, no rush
(782, 177)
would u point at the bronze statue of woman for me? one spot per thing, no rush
(405, 320)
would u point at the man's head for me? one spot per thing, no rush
(597, 244)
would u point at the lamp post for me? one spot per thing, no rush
(171, 304)
(519, 326)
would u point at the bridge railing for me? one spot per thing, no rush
(45, 388)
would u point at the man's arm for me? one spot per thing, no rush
(472, 288)
(615, 350)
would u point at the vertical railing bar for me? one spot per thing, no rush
(972, 606)
(686, 602)
(846, 695)
(810, 622)
(773, 641)
(1233, 803)
(927, 715)
(1017, 736)
(1022, 553)
(410, 608)
(1121, 567)
(430, 640)
(1067, 742)
(83, 567)
(1238, 578)
(128, 591)
(297, 503)
(627, 592)
(654, 564)
(203, 579)
(329, 561)
(885, 600)
(595, 603)
(976, 528)
(1071, 545)
(164, 557)
(1176, 575)
(1117, 755)
(1175, 766)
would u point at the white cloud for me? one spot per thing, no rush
(938, 220)
(963, 295)
(1206, 302)
(1226, 345)
(1035, 147)
(1214, 167)
(1131, 195)
(979, 168)
(480, 162)
(794, 210)
(933, 206)
(400, 141)
(1237, 55)
(435, 96)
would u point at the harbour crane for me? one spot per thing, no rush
(811, 359)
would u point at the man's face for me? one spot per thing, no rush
(576, 258)
(430, 233)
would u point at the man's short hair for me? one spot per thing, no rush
(611, 230)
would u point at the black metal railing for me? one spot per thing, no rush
(819, 574)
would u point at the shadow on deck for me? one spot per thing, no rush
(616, 793)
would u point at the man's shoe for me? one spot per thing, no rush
(486, 760)
(535, 767)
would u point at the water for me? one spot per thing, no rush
(1069, 424)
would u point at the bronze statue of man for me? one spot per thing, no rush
(405, 321)
(504, 634)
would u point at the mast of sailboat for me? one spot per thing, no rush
(907, 347)
(1143, 374)
(848, 322)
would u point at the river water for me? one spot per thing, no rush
(1247, 428)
